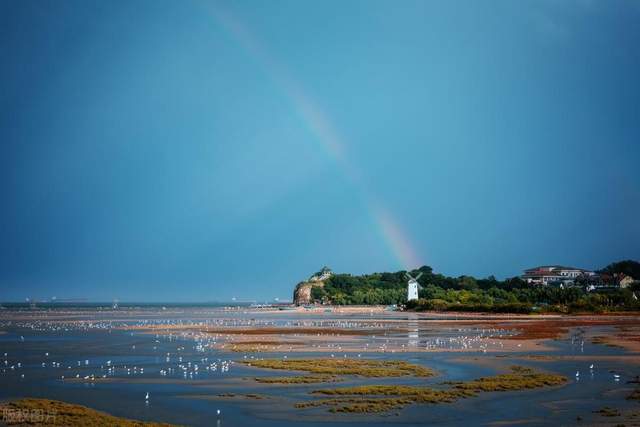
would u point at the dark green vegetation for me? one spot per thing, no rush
(466, 293)
(333, 367)
(627, 267)
(383, 398)
(45, 412)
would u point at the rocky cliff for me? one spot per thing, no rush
(302, 292)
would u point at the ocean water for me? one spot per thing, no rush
(79, 343)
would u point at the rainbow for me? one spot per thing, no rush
(398, 244)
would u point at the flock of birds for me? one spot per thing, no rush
(454, 339)
(181, 363)
(78, 370)
(616, 376)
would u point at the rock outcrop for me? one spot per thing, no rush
(302, 292)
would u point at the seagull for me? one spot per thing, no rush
(218, 411)
(577, 374)
(591, 367)
(146, 397)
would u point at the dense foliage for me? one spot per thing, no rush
(466, 293)
(627, 267)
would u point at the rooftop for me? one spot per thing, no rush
(553, 267)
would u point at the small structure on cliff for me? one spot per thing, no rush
(302, 292)
(321, 275)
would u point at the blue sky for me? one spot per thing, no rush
(196, 151)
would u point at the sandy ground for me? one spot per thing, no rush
(360, 329)
(392, 332)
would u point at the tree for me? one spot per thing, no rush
(467, 282)
(628, 267)
(511, 295)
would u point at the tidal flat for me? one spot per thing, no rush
(236, 366)
(53, 412)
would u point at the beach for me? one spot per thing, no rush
(242, 361)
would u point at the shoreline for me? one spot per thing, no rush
(484, 344)
(366, 329)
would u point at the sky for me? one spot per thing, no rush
(158, 150)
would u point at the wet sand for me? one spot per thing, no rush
(504, 333)
(457, 346)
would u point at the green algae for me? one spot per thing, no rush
(383, 398)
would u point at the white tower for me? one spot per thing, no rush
(412, 286)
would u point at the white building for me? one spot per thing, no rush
(545, 274)
(412, 290)
(322, 275)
